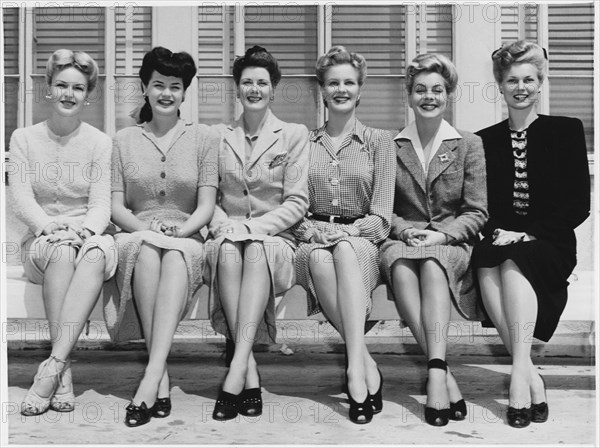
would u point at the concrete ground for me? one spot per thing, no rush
(304, 404)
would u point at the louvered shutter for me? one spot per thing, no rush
(377, 32)
(290, 34)
(571, 55)
(434, 35)
(216, 89)
(518, 22)
(10, 20)
(133, 39)
(75, 29)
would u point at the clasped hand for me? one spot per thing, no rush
(416, 237)
(157, 226)
(503, 237)
(58, 233)
(328, 237)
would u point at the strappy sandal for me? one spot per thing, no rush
(63, 399)
(35, 404)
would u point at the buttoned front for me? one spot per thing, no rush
(62, 179)
(272, 180)
(153, 180)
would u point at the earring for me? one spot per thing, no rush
(86, 103)
(501, 92)
(48, 96)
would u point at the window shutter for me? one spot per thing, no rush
(519, 22)
(73, 28)
(133, 39)
(377, 32)
(216, 102)
(571, 60)
(10, 21)
(290, 34)
(434, 35)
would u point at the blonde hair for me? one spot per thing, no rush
(519, 52)
(339, 55)
(79, 60)
(432, 63)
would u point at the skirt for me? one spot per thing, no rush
(547, 269)
(367, 255)
(122, 320)
(39, 252)
(280, 254)
(454, 259)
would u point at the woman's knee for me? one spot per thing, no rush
(64, 255)
(94, 258)
(254, 252)
(230, 253)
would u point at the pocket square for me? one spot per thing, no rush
(277, 160)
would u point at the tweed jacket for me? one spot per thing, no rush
(451, 198)
(269, 192)
(558, 173)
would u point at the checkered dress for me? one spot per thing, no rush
(358, 179)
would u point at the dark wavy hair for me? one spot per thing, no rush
(164, 61)
(257, 57)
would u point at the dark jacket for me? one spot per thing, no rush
(558, 175)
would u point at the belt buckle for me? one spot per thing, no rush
(332, 218)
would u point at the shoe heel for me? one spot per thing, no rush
(433, 416)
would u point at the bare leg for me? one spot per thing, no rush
(146, 277)
(322, 271)
(351, 305)
(435, 314)
(256, 284)
(171, 298)
(520, 307)
(79, 301)
(494, 295)
(57, 279)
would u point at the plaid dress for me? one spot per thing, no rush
(357, 179)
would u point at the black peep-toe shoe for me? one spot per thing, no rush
(518, 418)
(226, 407)
(251, 404)
(360, 413)
(162, 407)
(540, 411)
(376, 400)
(137, 415)
(433, 416)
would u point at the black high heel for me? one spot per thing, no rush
(433, 416)
(162, 408)
(251, 402)
(360, 413)
(376, 400)
(540, 411)
(458, 410)
(137, 415)
(226, 407)
(518, 418)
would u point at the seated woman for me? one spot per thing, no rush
(263, 166)
(351, 187)
(539, 192)
(66, 209)
(439, 209)
(164, 192)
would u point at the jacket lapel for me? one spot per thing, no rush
(408, 157)
(268, 136)
(442, 159)
(236, 139)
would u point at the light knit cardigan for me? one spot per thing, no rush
(60, 179)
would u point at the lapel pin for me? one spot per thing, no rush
(444, 157)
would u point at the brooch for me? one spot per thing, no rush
(278, 160)
(444, 157)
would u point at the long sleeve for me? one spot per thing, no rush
(375, 226)
(572, 204)
(98, 214)
(473, 212)
(20, 190)
(304, 230)
(295, 188)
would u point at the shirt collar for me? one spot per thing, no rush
(358, 131)
(445, 132)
